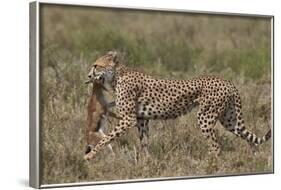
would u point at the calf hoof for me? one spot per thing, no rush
(88, 148)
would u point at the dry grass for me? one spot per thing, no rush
(170, 46)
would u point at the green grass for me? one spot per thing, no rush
(164, 45)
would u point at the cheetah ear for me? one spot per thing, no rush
(114, 56)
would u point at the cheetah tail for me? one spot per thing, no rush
(253, 139)
(243, 132)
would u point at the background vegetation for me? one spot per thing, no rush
(167, 45)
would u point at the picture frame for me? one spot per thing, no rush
(37, 57)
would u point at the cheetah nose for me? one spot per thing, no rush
(89, 76)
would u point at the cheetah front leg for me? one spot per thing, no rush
(120, 129)
(127, 113)
(126, 108)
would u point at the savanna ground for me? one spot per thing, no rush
(164, 45)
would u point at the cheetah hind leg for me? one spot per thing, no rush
(230, 124)
(207, 128)
(234, 123)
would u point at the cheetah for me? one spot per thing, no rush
(140, 98)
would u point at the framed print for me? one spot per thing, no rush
(130, 94)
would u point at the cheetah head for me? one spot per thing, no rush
(104, 67)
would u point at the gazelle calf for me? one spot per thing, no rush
(97, 117)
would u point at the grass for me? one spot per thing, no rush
(164, 45)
